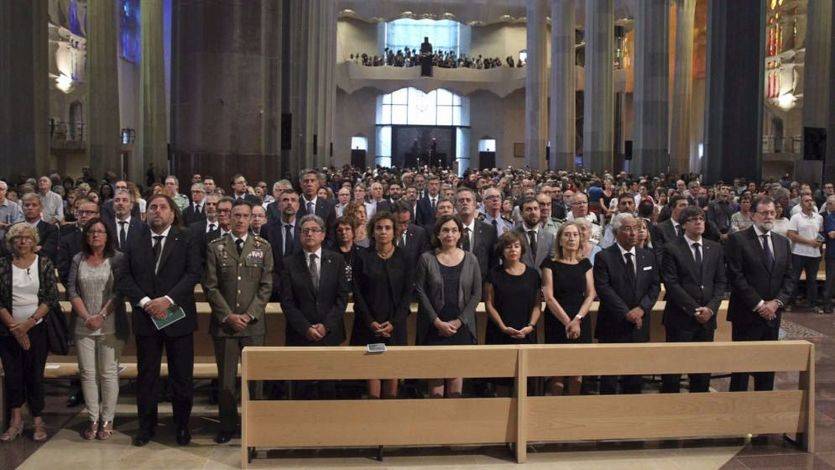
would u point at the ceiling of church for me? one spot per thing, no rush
(471, 12)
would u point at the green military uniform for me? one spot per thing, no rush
(239, 284)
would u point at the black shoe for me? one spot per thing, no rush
(183, 437)
(223, 437)
(75, 399)
(141, 439)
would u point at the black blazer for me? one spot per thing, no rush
(135, 226)
(484, 247)
(49, 236)
(417, 243)
(272, 212)
(617, 297)
(180, 268)
(107, 211)
(324, 209)
(304, 307)
(687, 289)
(70, 244)
(191, 216)
(274, 233)
(250, 198)
(751, 280)
(425, 215)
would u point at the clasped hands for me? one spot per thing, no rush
(518, 334)
(238, 321)
(636, 316)
(157, 307)
(94, 322)
(768, 310)
(703, 314)
(316, 332)
(382, 329)
(447, 328)
(20, 332)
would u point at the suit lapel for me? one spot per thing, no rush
(172, 239)
(691, 261)
(759, 247)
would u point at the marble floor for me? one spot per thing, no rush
(66, 449)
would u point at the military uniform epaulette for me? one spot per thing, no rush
(259, 240)
(216, 241)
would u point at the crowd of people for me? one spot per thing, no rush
(533, 246)
(444, 59)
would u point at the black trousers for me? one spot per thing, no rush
(810, 265)
(830, 279)
(180, 354)
(758, 331)
(24, 369)
(699, 383)
(629, 384)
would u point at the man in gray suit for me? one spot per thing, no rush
(538, 241)
(238, 285)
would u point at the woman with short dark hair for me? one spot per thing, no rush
(512, 295)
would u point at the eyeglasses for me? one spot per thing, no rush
(308, 231)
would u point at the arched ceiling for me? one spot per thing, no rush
(471, 12)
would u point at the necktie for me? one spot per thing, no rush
(433, 203)
(196, 208)
(769, 255)
(630, 269)
(157, 250)
(314, 272)
(239, 245)
(311, 209)
(466, 244)
(532, 242)
(123, 234)
(288, 238)
(697, 254)
(496, 226)
(211, 228)
(678, 230)
(402, 242)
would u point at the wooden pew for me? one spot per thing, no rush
(522, 418)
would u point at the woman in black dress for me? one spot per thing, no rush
(448, 287)
(345, 230)
(382, 294)
(568, 286)
(512, 295)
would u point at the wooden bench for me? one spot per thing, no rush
(522, 419)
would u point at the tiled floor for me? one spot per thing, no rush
(66, 449)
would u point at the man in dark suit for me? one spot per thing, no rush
(206, 231)
(239, 191)
(627, 282)
(158, 275)
(538, 242)
(196, 210)
(478, 237)
(693, 271)
(762, 281)
(411, 238)
(71, 237)
(48, 234)
(310, 203)
(314, 294)
(107, 211)
(123, 225)
(284, 235)
(670, 229)
(427, 205)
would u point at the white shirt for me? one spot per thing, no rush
(760, 234)
(318, 261)
(235, 238)
(25, 286)
(691, 242)
(144, 300)
(807, 226)
(209, 224)
(305, 202)
(471, 228)
(634, 258)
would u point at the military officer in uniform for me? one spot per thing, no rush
(238, 285)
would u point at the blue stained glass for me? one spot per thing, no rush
(75, 25)
(129, 33)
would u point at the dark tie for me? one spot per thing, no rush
(532, 243)
(239, 245)
(433, 203)
(630, 270)
(211, 228)
(288, 238)
(678, 230)
(496, 226)
(769, 255)
(311, 209)
(157, 250)
(197, 208)
(401, 242)
(123, 234)
(314, 273)
(697, 254)
(466, 244)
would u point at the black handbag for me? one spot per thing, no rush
(58, 331)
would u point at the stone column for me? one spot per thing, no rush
(563, 90)
(735, 75)
(536, 81)
(24, 88)
(153, 127)
(817, 95)
(682, 87)
(598, 103)
(103, 124)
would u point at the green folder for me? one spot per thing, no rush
(172, 315)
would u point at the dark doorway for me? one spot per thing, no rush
(422, 145)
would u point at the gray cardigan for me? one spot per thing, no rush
(120, 315)
(430, 292)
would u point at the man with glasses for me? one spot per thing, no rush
(693, 271)
(71, 237)
(580, 210)
(762, 281)
(196, 209)
(493, 212)
(627, 283)
(172, 188)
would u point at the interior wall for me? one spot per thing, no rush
(355, 115)
(355, 37)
